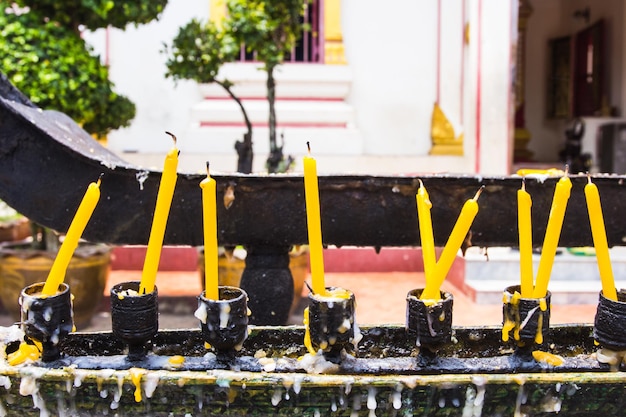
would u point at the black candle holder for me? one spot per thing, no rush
(524, 319)
(134, 317)
(224, 322)
(610, 328)
(429, 323)
(331, 323)
(47, 319)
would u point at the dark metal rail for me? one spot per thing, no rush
(47, 161)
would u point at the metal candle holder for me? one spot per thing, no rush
(47, 319)
(224, 322)
(610, 322)
(528, 318)
(134, 318)
(331, 324)
(429, 324)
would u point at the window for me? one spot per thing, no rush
(307, 48)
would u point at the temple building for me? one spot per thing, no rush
(472, 86)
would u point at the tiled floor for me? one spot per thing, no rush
(380, 299)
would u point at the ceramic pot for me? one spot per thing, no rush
(86, 276)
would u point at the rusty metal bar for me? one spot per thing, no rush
(46, 162)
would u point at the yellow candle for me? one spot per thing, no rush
(62, 260)
(314, 223)
(552, 172)
(551, 239)
(426, 231)
(459, 232)
(599, 240)
(524, 225)
(209, 219)
(159, 221)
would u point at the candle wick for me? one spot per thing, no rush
(566, 171)
(308, 146)
(173, 137)
(421, 183)
(207, 168)
(480, 190)
(589, 178)
(523, 184)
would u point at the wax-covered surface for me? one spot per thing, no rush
(475, 373)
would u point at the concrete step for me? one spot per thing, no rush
(563, 292)
(574, 279)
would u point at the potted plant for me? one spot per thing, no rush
(46, 58)
(28, 261)
(270, 29)
(13, 226)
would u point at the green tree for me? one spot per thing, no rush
(270, 28)
(43, 55)
(197, 53)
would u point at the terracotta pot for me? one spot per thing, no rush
(15, 230)
(86, 276)
(230, 268)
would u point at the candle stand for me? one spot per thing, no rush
(331, 324)
(47, 319)
(429, 323)
(525, 321)
(134, 317)
(270, 304)
(47, 154)
(610, 328)
(224, 322)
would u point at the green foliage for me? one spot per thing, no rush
(198, 51)
(56, 69)
(8, 213)
(95, 14)
(270, 28)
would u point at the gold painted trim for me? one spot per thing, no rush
(217, 12)
(334, 52)
(444, 141)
